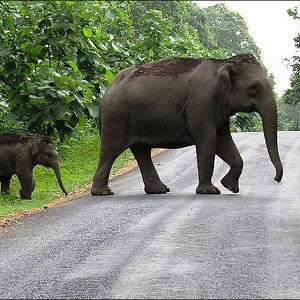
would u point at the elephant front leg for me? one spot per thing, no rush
(206, 150)
(228, 152)
(26, 180)
(152, 182)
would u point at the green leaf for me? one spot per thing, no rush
(10, 22)
(121, 14)
(10, 66)
(89, 94)
(9, 117)
(61, 111)
(35, 51)
(109, 76)
(74, 66)
(91, 43)
(93, 110)
(43, 87)
(4, 52)
(78, 100)
(25, 46)
(99, 31)
(88, 32)
(53, 42)
(115, 47)
(63, 93)
(102, 46)
(110, 15)
(95, 58)
(36, 99)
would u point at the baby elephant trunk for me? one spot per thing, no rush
(57, 173)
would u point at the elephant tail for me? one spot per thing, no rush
(99, 119)
(99, 124)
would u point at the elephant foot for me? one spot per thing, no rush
(207, 189)
(230, 185)
(6, 193)
(101, 191)
(159, 189)
(25, 196)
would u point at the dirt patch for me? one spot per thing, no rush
(168, 67)
(4, 221)
(244, 59)
(13, 138)
(176, 66)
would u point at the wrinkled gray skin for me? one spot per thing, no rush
(179, 102)
(19, 155)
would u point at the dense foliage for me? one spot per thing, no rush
(291, 96)
(289, 104)
(58, 57)
(230, 30)
(183, 14)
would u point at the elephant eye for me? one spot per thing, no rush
(254, 90)
(48, 154)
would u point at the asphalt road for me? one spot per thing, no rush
(176, 245)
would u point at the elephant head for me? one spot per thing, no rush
(246, 88)
(45, 154)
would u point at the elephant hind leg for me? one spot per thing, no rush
(114, 140)
(100, 181)
(5, 184)
(152, 182)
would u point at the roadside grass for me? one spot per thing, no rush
(78, 161)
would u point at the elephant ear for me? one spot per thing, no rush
(225, 78)
(34, 146)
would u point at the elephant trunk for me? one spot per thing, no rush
(268, 114)
(58, 177)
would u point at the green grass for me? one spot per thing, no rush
(78, 162)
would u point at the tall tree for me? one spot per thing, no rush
(53, 59)
(230, 30)
(178, 14)
(292, 95)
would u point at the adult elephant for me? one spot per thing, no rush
(179, 102)
(19, 155)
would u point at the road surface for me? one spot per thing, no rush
(176, 245)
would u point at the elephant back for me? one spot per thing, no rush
(12, 138)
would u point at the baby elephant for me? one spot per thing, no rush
(19, 155)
